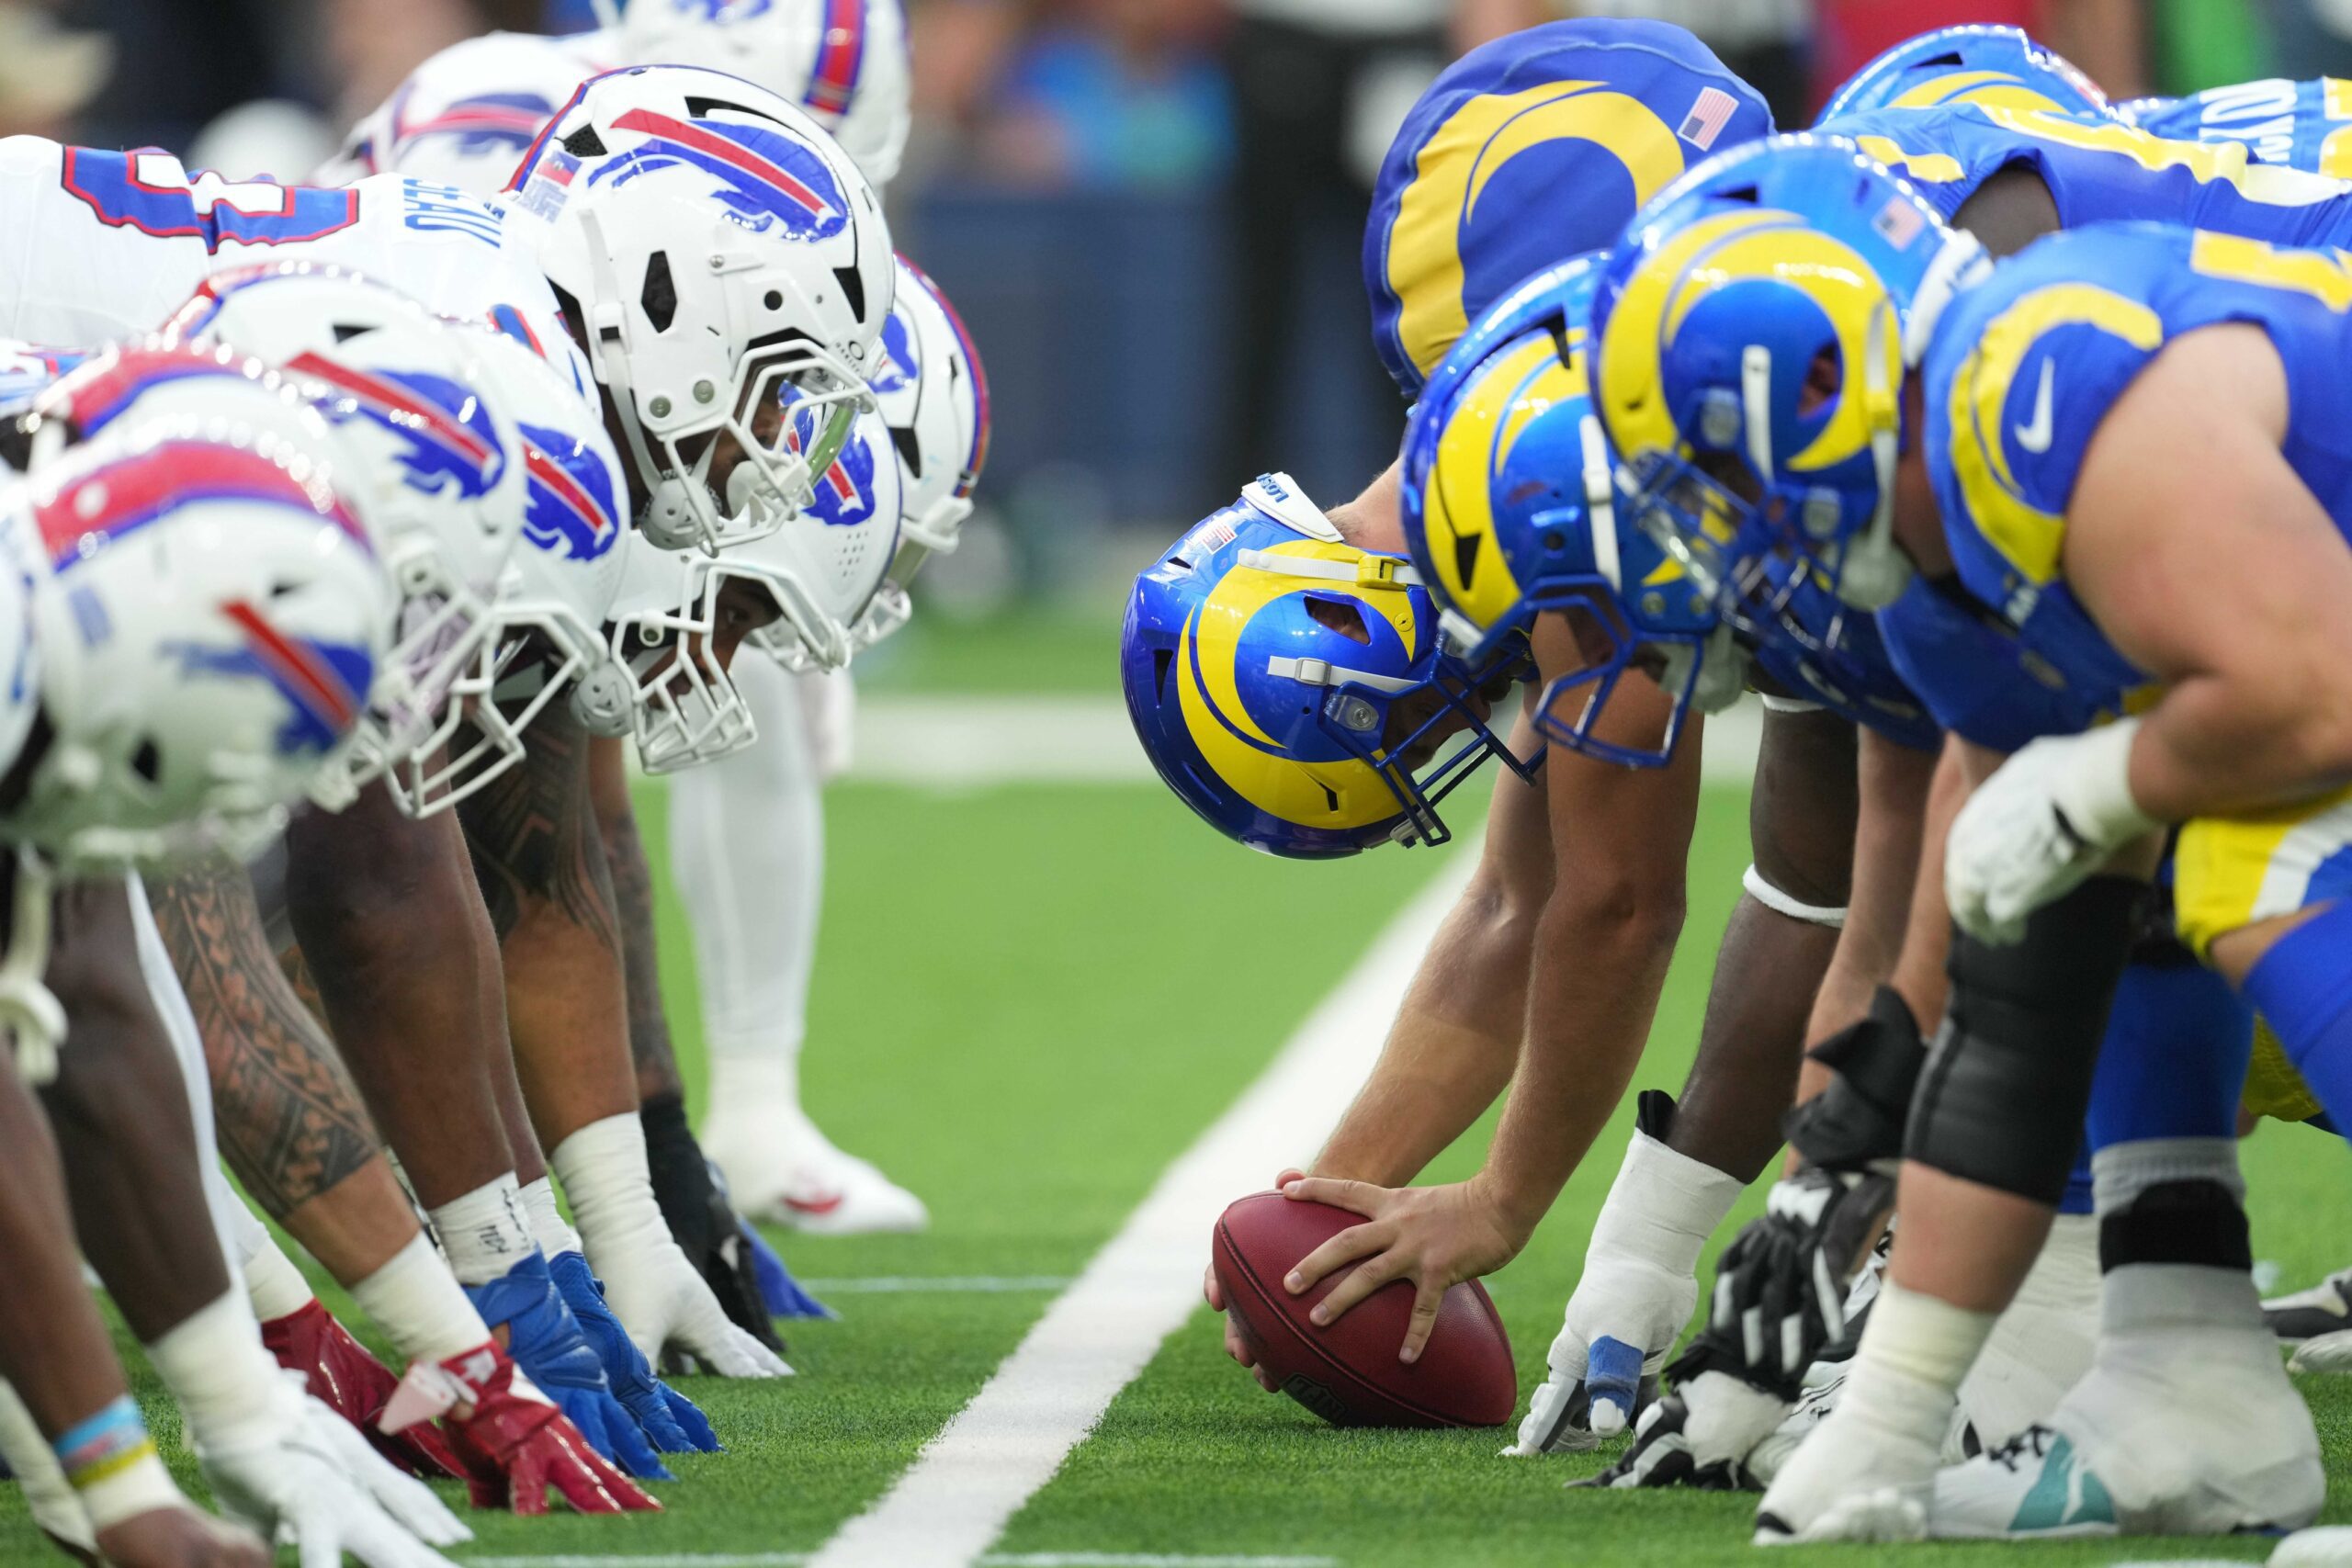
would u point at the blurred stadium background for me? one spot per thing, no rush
(1148, 211)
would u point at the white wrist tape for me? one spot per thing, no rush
(273, 1284)
(416, 1301)
(1662, 1207)
(1779, 903)
(49, 1496)
(2093, 785)
(214, 1364)
(139, 1488)
(604, 1175)
(546, 1220)
(484, 1232)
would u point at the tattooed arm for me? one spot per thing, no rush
(649, 1024)
(541, 864)
(290, 1122)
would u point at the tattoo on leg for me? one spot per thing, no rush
(291, 1124)
(533, 837)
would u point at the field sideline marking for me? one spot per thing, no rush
(990, 1560)
(953, 1502)
(947, 1284)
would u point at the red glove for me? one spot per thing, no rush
(355, 1386)
(510, 1440)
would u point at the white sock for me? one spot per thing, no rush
(2041, 1344)
(548, 1226)
(2144, 1297)
(747, 840)
(416, 1301)
(1915, 1351)
(484, 1233)
(274, 1286)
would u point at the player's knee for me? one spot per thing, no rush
(2007, 1086)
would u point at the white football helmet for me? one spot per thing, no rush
(436, 466)
(818, 569)
(717, 250)
(934, 396)
(553, 600)
(210, 625)
(844, 60)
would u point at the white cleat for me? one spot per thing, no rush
(2330, 1546)
(2324, 1353)
(2191, 1432)
(2322, 1310)
(782, 1169)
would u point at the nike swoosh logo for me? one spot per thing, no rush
(2034, 435)
(824, 1205)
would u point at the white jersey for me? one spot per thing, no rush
(465, 116)
(111, 243)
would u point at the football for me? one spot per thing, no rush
(1347, 1372)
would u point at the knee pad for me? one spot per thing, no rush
(2002, 1100)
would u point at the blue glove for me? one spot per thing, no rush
(670, 1419)
(778, 1289)
(544, 1340)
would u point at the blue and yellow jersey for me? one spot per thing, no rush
(2102, 172)
(2297, 125)
(1977, 675)
(1533, 149)
(2023, 368)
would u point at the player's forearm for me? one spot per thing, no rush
(385, 910)
(2217, 744)
(545, 882)
(1592, 993)
(52, 1345)
(1895, 786)
(632, 881)
(119, 1111)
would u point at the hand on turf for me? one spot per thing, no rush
(1700, 1436)
(355, 1385)
(179, 1538)
(544, 1339)
(307, 1479)
(669, 1420)
(1434, 1236)
(511, 1441)
(664, 1303)
(1235, 1344)
(1781, 1285)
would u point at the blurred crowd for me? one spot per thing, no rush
(1153, 206)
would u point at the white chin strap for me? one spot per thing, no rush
(1323, 672)
(1370, 571)
(1756, 408)
(1600, 500)
(1874, 573)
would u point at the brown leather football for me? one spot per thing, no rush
(1347, 1374)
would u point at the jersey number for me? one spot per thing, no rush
(151, 192)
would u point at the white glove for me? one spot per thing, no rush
(1619, 1326)
(650, 1287)
(307, 1479)
(2047, 819)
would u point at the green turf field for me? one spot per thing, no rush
(1029, 1001)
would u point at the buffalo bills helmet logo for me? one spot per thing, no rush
(844, 492)
(766, 178)
(901, 366)
(322, 683)
(441, 432)
(570, 505)
(487, 122)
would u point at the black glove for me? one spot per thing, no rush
(1781, 1285)
(696, 1208)
(1858, 1118)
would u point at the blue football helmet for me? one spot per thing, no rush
(1511, 508)
(1974, 63)
(1292, 689)
(1756, 325)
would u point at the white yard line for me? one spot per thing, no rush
(965, 1487)
(926, 1284)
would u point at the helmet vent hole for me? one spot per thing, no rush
(283, 587)
(1555, 541)
(772, 300)
(659, 296)
(1162, 661)
(909, 453)
(853, 290)
(1338, 615)
(148, 761)
(1749, 193)
(1822, 378)
(1465, 558)
(584, 143)
(1330, 800)
(345, 331)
